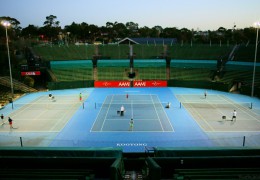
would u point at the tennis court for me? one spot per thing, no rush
(214, 113)
(44, 114)
(95, 122)
(146, 110)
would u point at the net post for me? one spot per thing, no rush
(180, 105)
(83, 105)
(21, 141)
(251, 105)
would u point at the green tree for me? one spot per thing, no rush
(30, 31)
(51, 21)
(132, 29)
(51, 28)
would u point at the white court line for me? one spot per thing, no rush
(133, 94)
(106, 114)
(239, 107)
(23, 108)
(98, 115)
(40, 119)
(203, 119)
(196, 112)
(164, 112)
(157, 114)
(62, 118)
(132, 109)
(127, 131)
(151, 101)
(134, 119)
(212, 104)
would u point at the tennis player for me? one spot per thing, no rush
(131, 125)
(80, 96)
(205, 94)
(122, 110)
(168, 105)
(10, 122)
(234, 116)
(2, 118)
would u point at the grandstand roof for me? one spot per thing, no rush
(148, 41)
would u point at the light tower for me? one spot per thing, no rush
(7, 24)
(257, 25)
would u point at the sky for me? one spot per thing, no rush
(192, 14)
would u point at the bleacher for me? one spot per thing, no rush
(113, 164)
(204, 163)
(55, 52)
(18, 90)
(217, 173)
(17, 85)
(181, 66)
(141, 51)
(61, 163)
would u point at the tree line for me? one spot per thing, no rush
(112, 32)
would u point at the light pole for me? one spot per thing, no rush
(257, 25)
(6, 24)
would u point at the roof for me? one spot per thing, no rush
(148, 41)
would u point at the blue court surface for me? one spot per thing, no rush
(192, 120)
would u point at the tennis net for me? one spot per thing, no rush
(214, 105)
(137, 104)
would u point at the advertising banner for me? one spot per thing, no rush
(112, 84)
(118, 84)
(31, 73)
(150, 83)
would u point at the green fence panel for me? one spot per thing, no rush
(70, 84)
(199, 84)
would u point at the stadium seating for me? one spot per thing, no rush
(61, 163)
(146, 70)
(204, 163)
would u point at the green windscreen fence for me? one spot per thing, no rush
(70, 84)
(74, 70)
(200, 84)
(113, 69)
(198, 70)
(150, 69)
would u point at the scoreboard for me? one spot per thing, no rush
(30, 70)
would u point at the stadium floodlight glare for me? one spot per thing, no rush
(257, 26)
(7, 24)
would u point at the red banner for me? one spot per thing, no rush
(112, 84)
(150, 83)
(31, 73)
(128, 84)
